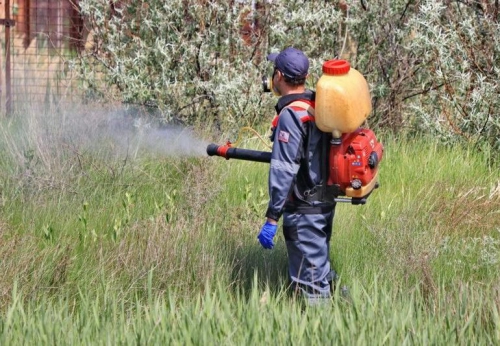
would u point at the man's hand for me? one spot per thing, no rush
(267, 233)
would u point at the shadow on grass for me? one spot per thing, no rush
(251, 261)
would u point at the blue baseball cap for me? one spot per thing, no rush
(292, 62)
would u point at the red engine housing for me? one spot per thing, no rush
(354, 163)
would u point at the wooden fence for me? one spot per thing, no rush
(40, 38)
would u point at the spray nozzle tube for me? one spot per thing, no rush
(229, 152)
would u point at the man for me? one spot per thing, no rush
(298, 166)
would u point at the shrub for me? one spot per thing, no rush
(432, 65)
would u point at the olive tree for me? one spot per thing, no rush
(432, 66)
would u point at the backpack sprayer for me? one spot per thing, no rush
(342, 105)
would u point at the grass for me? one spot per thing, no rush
(102, 242)
(219, 317)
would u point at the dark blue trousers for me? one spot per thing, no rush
(307, 239)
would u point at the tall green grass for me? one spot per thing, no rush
(103, 247)
(219, 317)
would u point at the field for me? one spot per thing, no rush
(115, 231)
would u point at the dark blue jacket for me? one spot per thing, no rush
(297, 159)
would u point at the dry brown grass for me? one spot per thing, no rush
(35, 269)
(443, 212)
(467, 210)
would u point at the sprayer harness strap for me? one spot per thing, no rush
(317, 193)
(303, 105)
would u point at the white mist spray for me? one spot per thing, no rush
(140, 136)
(113, 133)
(135, 136)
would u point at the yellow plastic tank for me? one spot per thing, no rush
(343, 99)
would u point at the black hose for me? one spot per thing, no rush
(237, 153)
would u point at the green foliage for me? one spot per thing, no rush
(432, 65)
(459, 49)
(182, 56)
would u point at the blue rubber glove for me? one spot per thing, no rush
(267, 234)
